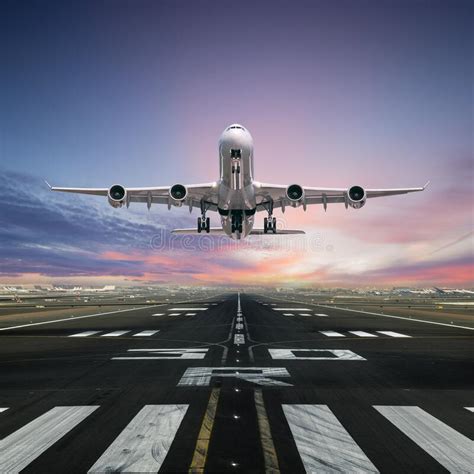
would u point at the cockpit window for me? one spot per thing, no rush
(235, 126)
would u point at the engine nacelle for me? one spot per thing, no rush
(295, 193)
(117, 195)
(178, 192)
(356, 197)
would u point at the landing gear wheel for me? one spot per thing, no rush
(240, 228)
(199, 228)
(208, 225)
(265, 225)
(274, 225)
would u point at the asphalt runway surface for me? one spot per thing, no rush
(235, 383)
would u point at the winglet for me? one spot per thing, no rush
(426, 185)
(49, 186)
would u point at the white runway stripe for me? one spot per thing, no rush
(158, 314)
(288, 314)
(470, 409)
(190, 314)
(363, 334)
(323, 443)
(451, 449)
(3, 409)
(188, 309)
(143, 445)
(291, 309)
(332, 334)
(145, 333)
(321, 315)
(239, 339)
(393, 334)
(84, 334)
(305, 314)
(115, 333)
(24, 445)
(174, 314)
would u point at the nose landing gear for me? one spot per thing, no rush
(236, 222)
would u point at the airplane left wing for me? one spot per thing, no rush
(280, 196)
(194, 195)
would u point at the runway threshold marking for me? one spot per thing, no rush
(3, 409)
(270, 457)
(470, 409)
(323, 443)
(23, 446)
(202, 443)
(143, 445)
(451, 449)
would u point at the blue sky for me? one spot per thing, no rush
(377, 93)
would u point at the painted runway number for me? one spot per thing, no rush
(314, 354)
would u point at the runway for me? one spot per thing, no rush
(238, 382)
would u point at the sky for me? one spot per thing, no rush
(335, 93)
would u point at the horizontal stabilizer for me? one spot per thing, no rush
(278, 232)
(193, 231)
(220, 231)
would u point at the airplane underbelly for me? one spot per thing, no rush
(247, 226)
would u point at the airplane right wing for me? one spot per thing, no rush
(194, 195)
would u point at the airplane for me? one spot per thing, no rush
(236, 196)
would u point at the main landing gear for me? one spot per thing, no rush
(269, 224)
(203, 224)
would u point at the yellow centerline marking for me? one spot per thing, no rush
(202, 444)
(269, 453)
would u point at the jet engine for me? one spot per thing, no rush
(356, 197)
(117, 195)
(178, 193)
(294, 193)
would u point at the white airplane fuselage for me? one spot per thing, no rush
(236, 195)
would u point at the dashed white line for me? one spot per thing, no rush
(174, 314)
(145, 333)
(158, 314)
(332, 334)
(363, 334)
(451, 449)
(305, 314)
(470, 409)
(115, 333)
(188, 309)
(3, 409)
(84, 334)
(291, 309)
(239, 339)
(393, 334)
(321, 315)
(288, 314)
(23, 446)
(190, 314)
(143, 445)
